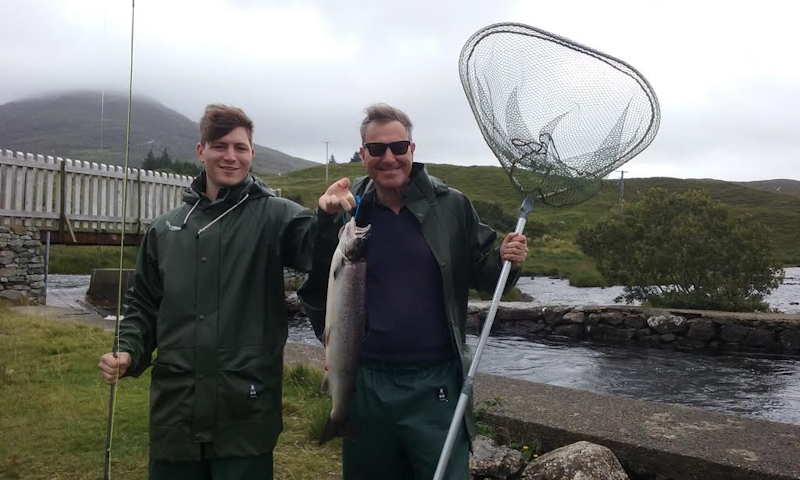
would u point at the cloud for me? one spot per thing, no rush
(304, 70)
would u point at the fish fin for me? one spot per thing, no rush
(329, 432)
(335, 429)
(324, 387)
(338, 270)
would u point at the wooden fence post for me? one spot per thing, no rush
(62, 214)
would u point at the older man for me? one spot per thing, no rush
(427, 249)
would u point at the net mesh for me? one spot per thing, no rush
(558, 115)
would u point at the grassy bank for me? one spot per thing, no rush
(54, 406)
(80, 260)
(554, 229)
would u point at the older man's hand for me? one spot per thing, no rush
(337, 198)
(514, 249)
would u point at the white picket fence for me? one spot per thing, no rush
(52, 193)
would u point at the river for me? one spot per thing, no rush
(553, 291)
(757, 387)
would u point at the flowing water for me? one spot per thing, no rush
(758, 387)
(767, 388)
(553, 291)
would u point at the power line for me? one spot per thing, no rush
(327, 160)
(621, 184)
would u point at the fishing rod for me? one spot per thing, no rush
(112, 400)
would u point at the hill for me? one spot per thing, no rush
(68, 125)
(556, 228)
(781, 185)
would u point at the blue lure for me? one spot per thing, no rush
(355, 215)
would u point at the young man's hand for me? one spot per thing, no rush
(337, 198)
(514, 249)
(110, 362)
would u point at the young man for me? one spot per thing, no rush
(208, 293)
(427, 249)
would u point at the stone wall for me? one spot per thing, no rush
(662, 328)
(21, 265)
(292, 279)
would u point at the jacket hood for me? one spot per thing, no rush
(231, 197)
(251, 186)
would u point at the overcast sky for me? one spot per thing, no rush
(725, 72)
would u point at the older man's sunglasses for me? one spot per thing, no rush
(377, 149)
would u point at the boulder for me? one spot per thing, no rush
(701, 329)
(635, 322)
(610, 333)
(612, 318)
(489, 460)
(666, 324)
(574, 317)
(12, 295)
(521, 313)
(760, 338)
(579, 461)
(733, 333)
(554, 315)
(572, 331)
(522, 328)
(8, 272)
(790, 340)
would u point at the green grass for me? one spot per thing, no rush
(515, 295)
(80, 260)
(587, 279)
(55, 404)
(554, 251)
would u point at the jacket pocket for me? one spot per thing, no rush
(171, 394)
(249, 385)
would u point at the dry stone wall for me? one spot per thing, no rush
(683, 329)
(21, 265)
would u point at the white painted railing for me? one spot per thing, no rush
(54, 193)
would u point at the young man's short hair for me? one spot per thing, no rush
(219, 120)
(383, 113)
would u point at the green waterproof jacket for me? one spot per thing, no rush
(463, 246)
(208, 294)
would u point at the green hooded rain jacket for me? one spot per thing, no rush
(209, 295)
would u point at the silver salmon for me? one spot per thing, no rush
(345, 317)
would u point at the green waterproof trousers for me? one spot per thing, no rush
(400, 416)
(234, 468)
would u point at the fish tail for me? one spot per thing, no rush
(329, 431)
(335, 428)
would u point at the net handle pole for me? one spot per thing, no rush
(467, 390)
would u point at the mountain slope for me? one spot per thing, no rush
(780, 185)
(68, 125)
(781, 213)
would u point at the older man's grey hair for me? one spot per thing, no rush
(383, 113)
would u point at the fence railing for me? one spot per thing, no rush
(67, 195)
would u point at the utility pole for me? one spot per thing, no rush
(327, 160)
(621, 184)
